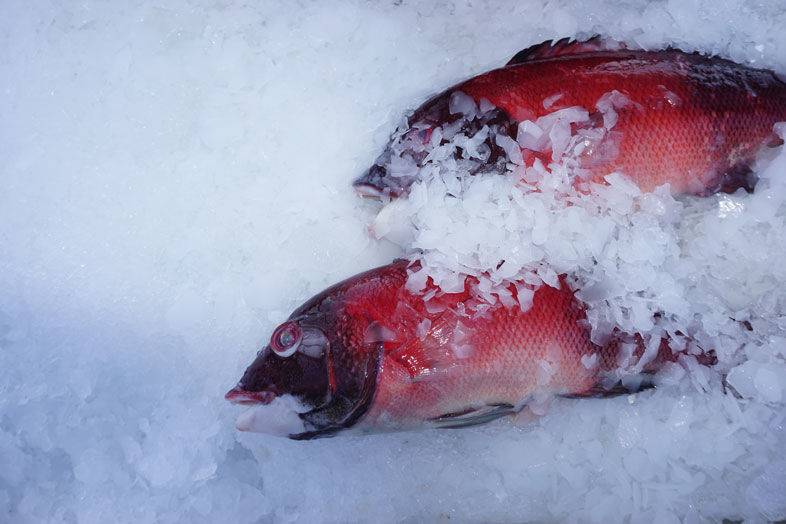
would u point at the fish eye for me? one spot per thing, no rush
(286, 339)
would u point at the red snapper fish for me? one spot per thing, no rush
(691, 121)
(370, 355)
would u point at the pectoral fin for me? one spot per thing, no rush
(630, 384)
(473, 416)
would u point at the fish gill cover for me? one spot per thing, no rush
(175, 181)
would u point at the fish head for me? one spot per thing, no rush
(396, 169)
(293, 363)
(433, 124)
(325, 356)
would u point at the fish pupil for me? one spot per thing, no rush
(286, 339)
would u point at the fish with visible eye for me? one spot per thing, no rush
(368, 355)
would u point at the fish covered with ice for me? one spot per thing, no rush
(370, 355)
(483, 320)
(594, 107)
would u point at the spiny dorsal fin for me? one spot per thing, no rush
(565, 47)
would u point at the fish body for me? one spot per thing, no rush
(373, 356)
(660, 117)
(369, 354)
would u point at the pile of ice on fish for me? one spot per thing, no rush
(641, 262)
(550, 248)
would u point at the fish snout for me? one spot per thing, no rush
(365, 190)
(238, 395)
(372, 183)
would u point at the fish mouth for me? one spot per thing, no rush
(376, 184)
(366, 190)
(238, 395)
(371, 183)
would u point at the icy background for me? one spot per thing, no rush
(175, 180)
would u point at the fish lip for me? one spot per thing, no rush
(376, 184)
(238, 395)
(367, 190)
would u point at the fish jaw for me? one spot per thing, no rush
(238, 395)
(377, 184)
(368, 190)
(268, 413)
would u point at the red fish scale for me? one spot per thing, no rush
(698, 117)
(508, 347)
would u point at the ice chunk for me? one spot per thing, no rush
(511, 147)
(279, 418)
(551, 100)
(770, 383)
(610, 102)
(754, 379)
(766, 491)
(531, 136)
(589, 361)
(463, 105)
(544, 371)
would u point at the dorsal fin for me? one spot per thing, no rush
(565, 47)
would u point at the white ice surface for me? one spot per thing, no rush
(174, 180)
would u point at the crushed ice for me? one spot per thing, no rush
(642, 263)
(174, 182)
